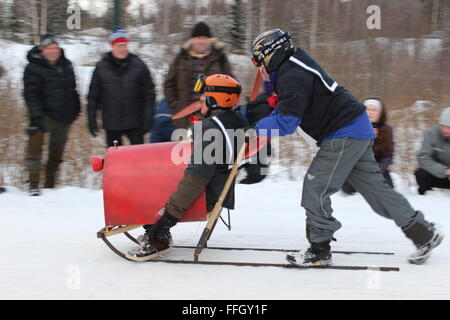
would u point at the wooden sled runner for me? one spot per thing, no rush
(130, 169)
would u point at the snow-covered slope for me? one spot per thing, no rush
(50, 250)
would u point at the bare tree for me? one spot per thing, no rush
(248, 35)
(43, 17)
(314, 22)
(434, 15)
(35, 21)
(166, 17)
(262, 16)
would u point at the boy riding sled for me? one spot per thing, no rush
(220, 94)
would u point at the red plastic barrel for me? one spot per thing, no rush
(138, 181)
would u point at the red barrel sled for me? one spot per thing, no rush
(138, 181)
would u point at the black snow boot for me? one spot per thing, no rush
(157, 239)
(34, 189)
(2, 190)
(255, 173)
(318, 254)
(425, 238)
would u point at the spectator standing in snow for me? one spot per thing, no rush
(383, 146)
(201, 54)
(53, 104)
(122, 87)
(434, 156)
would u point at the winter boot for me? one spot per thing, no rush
(34, 189)
(153, 245)
(425, 238)
(318, 254)
(49, 181)
(254, 174)
(422, 190)
(157, 240)
(2, 190)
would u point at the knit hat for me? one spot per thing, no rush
(373, 102)
(201, 29)
(445, 118)
(118, 35)
(47, 40)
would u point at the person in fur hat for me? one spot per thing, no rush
(201, 54)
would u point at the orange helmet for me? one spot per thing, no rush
(220, 90)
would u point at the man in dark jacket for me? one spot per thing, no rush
(434, 156)
(53, 104)
(122, 87)
(201, 54)
(311, 99)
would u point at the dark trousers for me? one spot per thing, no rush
(135, 136)
(426, 181)
(58, 137)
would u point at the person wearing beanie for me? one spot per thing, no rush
(122, 86)
(201, 54)
(53, 105)
(434, 156)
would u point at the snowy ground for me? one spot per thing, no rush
(50, 251)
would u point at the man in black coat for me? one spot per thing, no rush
(53, 104)
(122, 87)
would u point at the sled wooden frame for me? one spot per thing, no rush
(212, 216)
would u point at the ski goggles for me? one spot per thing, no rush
(255, 62)
(201, 87)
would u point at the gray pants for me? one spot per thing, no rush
(353, 160)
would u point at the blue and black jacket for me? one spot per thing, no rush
(311, 99)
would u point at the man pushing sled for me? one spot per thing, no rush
(311, 99)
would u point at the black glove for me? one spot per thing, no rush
(93, 129)
(35, 125)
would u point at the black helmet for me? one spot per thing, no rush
(271, 48)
